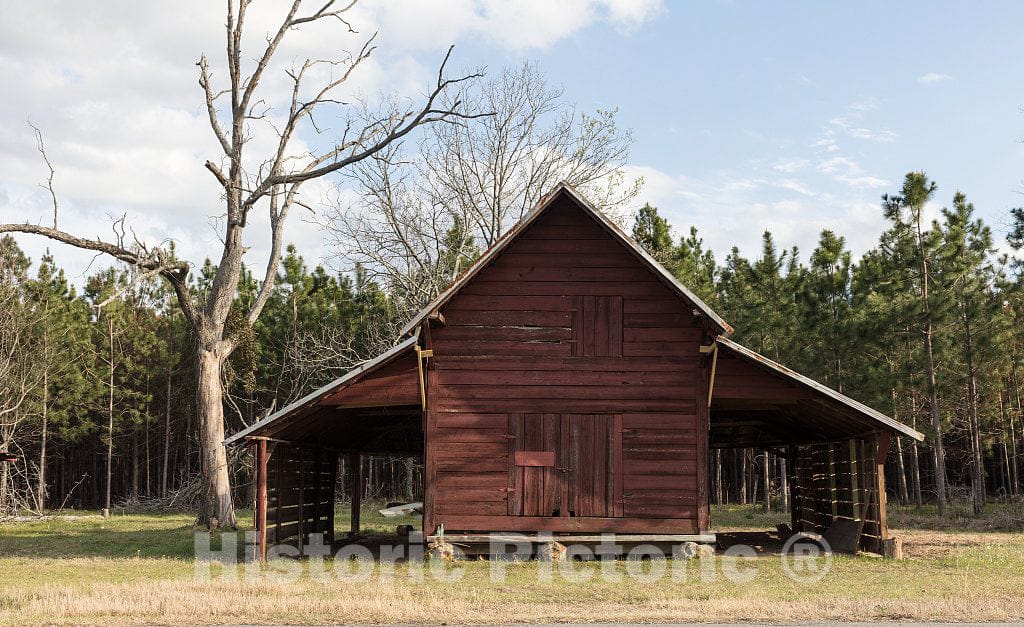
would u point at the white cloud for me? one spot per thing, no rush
(850, 123)
(521, 25)
(113, 86)
(789, 167)
(734, 208)
(933, 77)
(850, 172)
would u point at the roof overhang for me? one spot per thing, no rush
(313, 399)
(565, 190)
(796, 414)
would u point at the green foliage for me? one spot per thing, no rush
(857, 325)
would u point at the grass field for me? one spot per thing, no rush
(139, 568)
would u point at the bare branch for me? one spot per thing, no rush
(399, 127)
(157, 260)
(49, 180)
(211, 106)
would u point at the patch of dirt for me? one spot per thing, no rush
(25, 519)
(916, 544)
(926, 544)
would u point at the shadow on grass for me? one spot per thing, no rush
(152, 535)
(145, 534)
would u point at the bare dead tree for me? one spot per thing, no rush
(20, 377)
(272, 182)
(423, 212)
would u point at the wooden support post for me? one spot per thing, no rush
(303, 541)
(795, 492)
(881, 452)
(332, 480)
(858, 504)
(261, 500)
(355, 462)
(279, 492)
(317, 480)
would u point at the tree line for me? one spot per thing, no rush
(97, 391)
(926, 327)
(97, 387)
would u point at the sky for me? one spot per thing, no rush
(787, 116)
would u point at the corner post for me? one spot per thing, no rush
(261, 500)
(355, 462)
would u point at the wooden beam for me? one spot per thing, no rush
(714, 367)
(261, 499)
(356, 470)
(573, 524)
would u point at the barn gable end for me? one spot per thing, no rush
(565, 391)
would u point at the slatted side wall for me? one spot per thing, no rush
(300, 494)
(565, 321)
(838, 480)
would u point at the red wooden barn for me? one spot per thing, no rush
(568, 383)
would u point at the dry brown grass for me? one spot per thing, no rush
(191, 602)
(949, 577)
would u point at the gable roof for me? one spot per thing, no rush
(313, 398)
(756, 358)
(564, 189)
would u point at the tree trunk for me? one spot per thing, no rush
(110, 415)
(1014, 476)
(135, 465)
(3, 483)
(743, 476)
(938, 452)
(149, 460)
(766, 481)
(783, 483)
(213, 459)
(44, 436)
(410, 484)
(718, 476)
(1013, 429)
(901, 473)
(167, 438)
(977, 469)
(915, 460)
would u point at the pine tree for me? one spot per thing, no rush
(905, 211)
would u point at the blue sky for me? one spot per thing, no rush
(828, 104)
(746, 115)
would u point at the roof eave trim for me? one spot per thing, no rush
(319, 394)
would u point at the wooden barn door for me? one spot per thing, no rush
(594, 450)
(571, 459)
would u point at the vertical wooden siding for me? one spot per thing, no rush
(565, 321)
